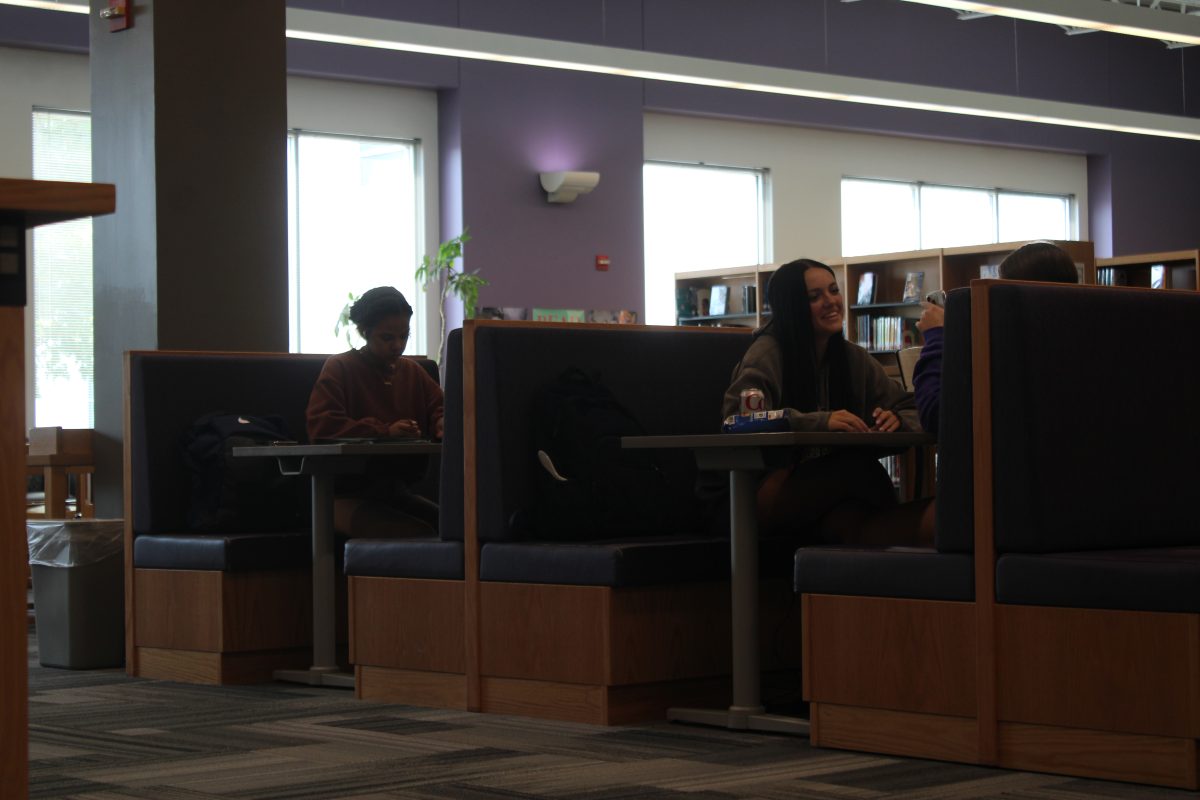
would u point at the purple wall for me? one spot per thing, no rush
(502, 124)
(519, 121)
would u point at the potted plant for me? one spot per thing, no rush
(344, 322)
(464, 285)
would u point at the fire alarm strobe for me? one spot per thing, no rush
(602, 263)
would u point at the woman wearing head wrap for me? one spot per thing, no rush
(801, 361)
(373, 393)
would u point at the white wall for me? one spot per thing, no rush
(807, 166)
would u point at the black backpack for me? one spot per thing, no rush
(585, 486)
(237, 494)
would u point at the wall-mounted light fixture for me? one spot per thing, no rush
(564, 187)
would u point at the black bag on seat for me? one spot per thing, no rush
(240, 495)
(585, 485)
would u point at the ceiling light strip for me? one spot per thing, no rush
(48, 5)
(464, 43)
(1091, 14)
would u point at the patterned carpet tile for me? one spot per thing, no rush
(100, 735)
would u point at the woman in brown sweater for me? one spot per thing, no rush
(373, 393)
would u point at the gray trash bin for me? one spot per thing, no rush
(78, 591)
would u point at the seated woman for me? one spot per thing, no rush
(373, 393)
(1036, 261)
(801, 361)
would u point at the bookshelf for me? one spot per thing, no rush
(1169, 270)
(961, 265)
(694, 294)
(887, 323)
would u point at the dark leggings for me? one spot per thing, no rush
(841, 498)
(402, 516)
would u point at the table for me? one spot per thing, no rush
(323, 462)
(744, 456)
(54, 475)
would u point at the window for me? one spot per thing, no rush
(62, 280)
(352, 225)
(892, 216)
(698, 217)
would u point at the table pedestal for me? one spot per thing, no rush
(324, 670)
(746, 712)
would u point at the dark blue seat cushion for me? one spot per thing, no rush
(1151, 579)
(652, 561)
(643, 562)
(916, 573)
(225, 552)
(405, 558)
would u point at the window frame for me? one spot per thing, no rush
(420, 320)
(995, 193)
(763, 234)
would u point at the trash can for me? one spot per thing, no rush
(78, 591)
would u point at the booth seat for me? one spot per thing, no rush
(1080, 651)
(616, 628)
(407, 640)
(210, 607)
(604, 630)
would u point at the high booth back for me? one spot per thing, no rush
(671, 380)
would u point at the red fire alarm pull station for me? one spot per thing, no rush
(602, 263)
(119, 15)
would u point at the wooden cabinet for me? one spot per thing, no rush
(1170, 270)
(23, 204)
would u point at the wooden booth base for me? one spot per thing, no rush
(1135, 758)
(1088, 692)
(218, 669)
(199, 626)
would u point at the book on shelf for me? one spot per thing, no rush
(866, 288)
(685, 302)
(878, 333)
(914, 284)
(749, 299)
(1158, 276)
(718, 302)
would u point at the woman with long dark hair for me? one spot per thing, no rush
(801, 361)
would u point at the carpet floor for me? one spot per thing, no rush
(101, 735)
